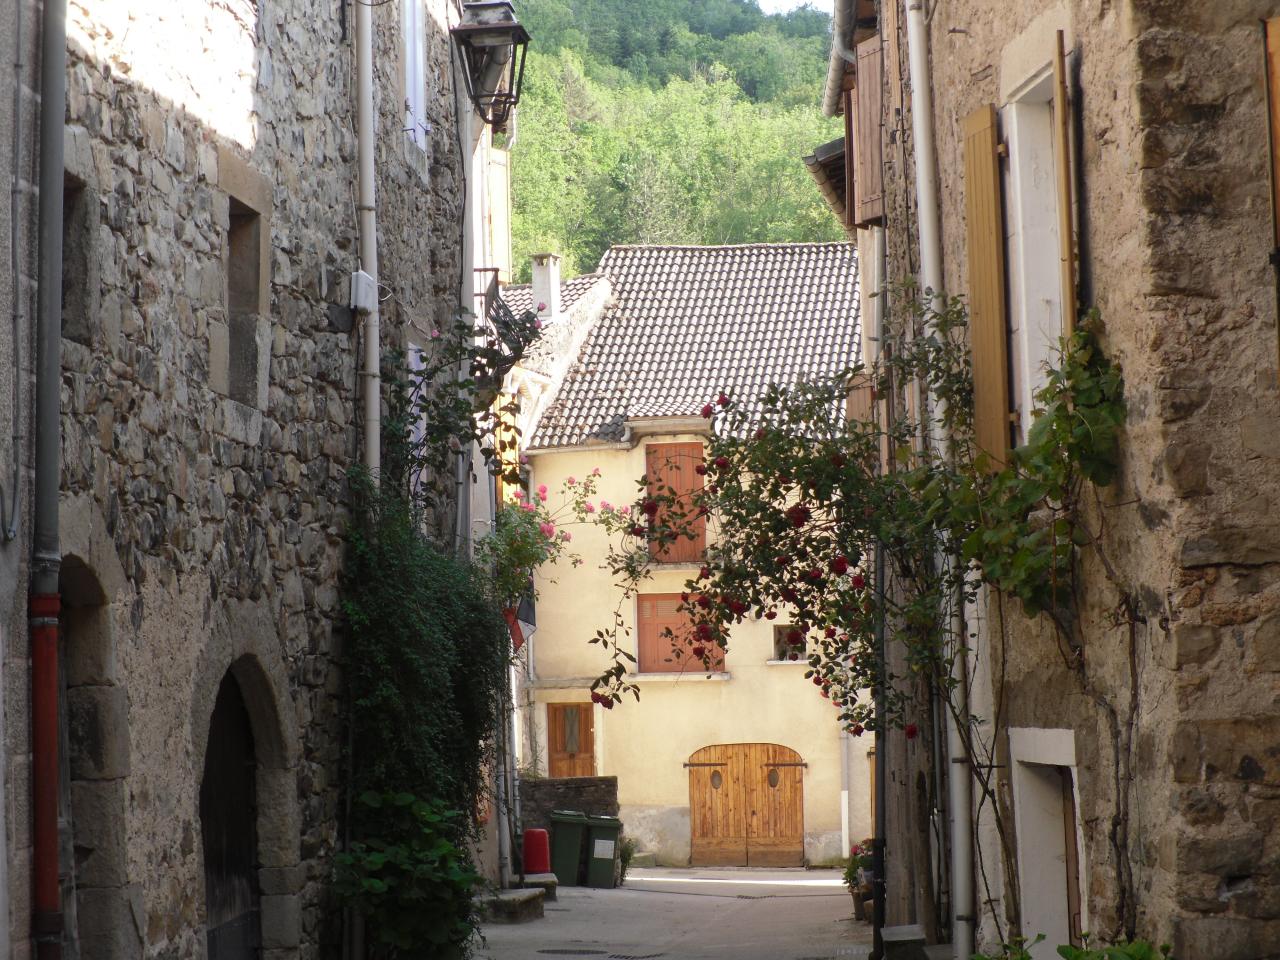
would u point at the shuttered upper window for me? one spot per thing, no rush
(664, 637)
(868, 173)
(672, 472)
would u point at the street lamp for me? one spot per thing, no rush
(492, 44)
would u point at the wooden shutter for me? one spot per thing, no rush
(987, 326)
(861, 402)
(889, 26)
(1271, 50)
(850, 155)
(570, 740)
(868, 178)
(1062, 157)
(658, 653)
(672, 469)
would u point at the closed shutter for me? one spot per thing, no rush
(672, 469)
(1062, 156)
(987, 326)
(868, 179)
(658, 653)
(1271, 49)
(861, 402)
(850, 154)
(889, 26)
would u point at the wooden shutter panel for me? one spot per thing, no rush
(850, 157)
(868, 179)
(1271, 50)
(1062, 155)
(889, 25)
(658, 612)
(861, 402)
(673, 467)
(987, 326)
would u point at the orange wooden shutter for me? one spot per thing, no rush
(1062, 155)
(868, 180)
(861, 403)
(1271, 49)
(987, 326)
(658, 612)
(672, 468)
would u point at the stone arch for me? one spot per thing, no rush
(243, 646)
(98, 897)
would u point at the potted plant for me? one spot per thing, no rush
(857, 877)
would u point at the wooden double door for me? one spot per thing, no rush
(746, 806)
(571, 750)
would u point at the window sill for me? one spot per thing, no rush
(802, 662)
(674, 676)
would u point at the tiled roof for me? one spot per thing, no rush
(519, 297)
(688, 322)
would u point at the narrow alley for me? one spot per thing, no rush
(691, 914)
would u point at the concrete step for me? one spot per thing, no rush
(546, 882)
(639, 859)
(512, 906)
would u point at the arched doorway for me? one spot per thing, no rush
(746, 805)
(229, 829)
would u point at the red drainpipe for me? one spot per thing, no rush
(47, 914)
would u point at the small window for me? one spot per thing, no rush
(774, 777)
(717, 780)
(79, 225)
(788, 642)
(247, 351)
(416, 125)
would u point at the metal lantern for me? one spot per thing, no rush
(492, 44)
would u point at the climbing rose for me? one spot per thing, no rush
(541, 307)
(566, 536)
(589, 507)
(548, 529)
(708, 411)
(595, 471)
(698, 651)
(650, 508)
(704, 573)
(856, 729)
(771, 614)
(798, 515)
(722, 463)
(637, 530)
(761, 433)
(624, 510)
(911, 730)
(700, 469)
(704, 631)
(858, 581)
(520, 494)
(542, 492)
(840, 565)
(570, 482)
(723, 400)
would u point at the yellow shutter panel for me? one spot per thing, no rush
(987, 326)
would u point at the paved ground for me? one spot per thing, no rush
(703, 914)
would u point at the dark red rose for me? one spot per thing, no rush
(798, 515)
(858, 581)
(793, 656)
(637, 530)
(650, 508)
(795, 637)
(856, 729)
(723, 400)
(911, 730)
(829, 632)
(704, 602)
(704, 573)
(837, 460)
(607, 703)
(782, 560)
(840, 565)
(705, 631)
(698, 651)
(722, 463)
(700, 469)
(771, 614)
(708, 411)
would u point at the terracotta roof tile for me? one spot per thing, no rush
(688, 322)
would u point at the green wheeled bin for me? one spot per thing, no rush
(568, 834)
(602, 851)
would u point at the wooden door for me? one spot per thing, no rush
(571, 747)
(746, 805)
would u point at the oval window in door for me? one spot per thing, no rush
(716, 780)
(774, 778)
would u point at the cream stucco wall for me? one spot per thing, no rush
(646, 743)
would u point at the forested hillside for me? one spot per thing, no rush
(667, 121)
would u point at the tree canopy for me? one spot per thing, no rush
(686, 125)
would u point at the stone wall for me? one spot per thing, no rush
(1173, 708)
(594, 796)
(207, 434)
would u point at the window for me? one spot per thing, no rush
(785, 646)
(416, 125)
(570, 740)
(672, 471)
(664, 638)
(248, 348)
(862, 132)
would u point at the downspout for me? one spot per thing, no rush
(9, 511)
(46, 554)
(365, 133)
(879, 877)
(926, 169)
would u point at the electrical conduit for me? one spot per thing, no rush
(926, 167)
(46, 556)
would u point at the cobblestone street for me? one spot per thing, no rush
(693, 915)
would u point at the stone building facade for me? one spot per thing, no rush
(1170, 752)
(209, 418)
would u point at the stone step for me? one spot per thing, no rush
(512, 906)
(639, 859)
(546, 882)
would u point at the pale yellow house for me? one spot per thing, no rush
(746, 765)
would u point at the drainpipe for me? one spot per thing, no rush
(9, 512)
(926, 168)
(879, 875)
(46, 555)
(371, 375)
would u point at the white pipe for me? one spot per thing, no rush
(365, 132)
(960, 786)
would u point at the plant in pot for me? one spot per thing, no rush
(857, 877)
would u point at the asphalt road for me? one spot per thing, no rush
(706, 914)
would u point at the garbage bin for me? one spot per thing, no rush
(568, 834)
(602, 851)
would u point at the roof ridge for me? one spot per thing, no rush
(788, 244)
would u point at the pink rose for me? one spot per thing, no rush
(548, 529)
(590, 508)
